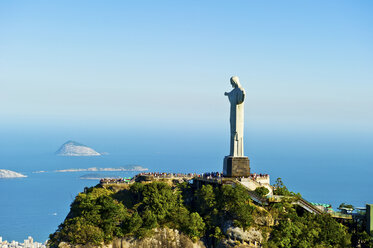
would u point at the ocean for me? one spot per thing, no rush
(325, 167)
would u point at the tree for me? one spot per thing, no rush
(77, 231)
(111, 215)
(205, 199)
(262, 191)
(280, 188)
(160, 199)
(131, 223)
(344, 205)
(95, 209)
(234, 203)
(194, 227)
(309, 231)
(149, 219)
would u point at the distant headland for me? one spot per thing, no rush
(10, 174)
(127, 168)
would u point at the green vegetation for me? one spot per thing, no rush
(357, 228)
(100, 214)
(280, 189)
(345, 206)
(300, 229)
(220, 205)
(262, 191)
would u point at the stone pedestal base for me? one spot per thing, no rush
(236, 166)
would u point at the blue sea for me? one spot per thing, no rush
(325, 166)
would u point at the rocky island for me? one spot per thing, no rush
(95, 176)
(72, 148)
(10, 174)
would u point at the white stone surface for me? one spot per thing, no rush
(263, 180)
(250, 236)
(259, 182)
(236, 98)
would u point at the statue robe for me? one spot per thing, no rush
(236, 98)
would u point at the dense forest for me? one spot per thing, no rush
(100, 214)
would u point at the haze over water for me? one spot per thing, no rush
(145, 82)
(325, 167)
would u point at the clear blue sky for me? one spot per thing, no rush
(302, 63)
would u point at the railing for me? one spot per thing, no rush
(340, 215)
(258, 184)
(275, 198)
(257, 198)
(309, 205)
(206, 179)
(300, 201)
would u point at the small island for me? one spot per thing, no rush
(10, 174)
(75, 149)
(96, 176)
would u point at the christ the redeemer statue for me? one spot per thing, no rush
(236, 98)
(236, 164)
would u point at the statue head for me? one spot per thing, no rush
(235, 81)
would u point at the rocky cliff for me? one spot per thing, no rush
(161, 237)
(10, 174)
(171, 238)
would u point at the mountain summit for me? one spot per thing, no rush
(72, 148)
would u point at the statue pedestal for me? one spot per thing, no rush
(236, 166)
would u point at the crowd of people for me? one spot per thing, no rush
(170, 175)
(113, 180)
(255, 176)
(167, 174)
(211, 175)
(207, 175)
